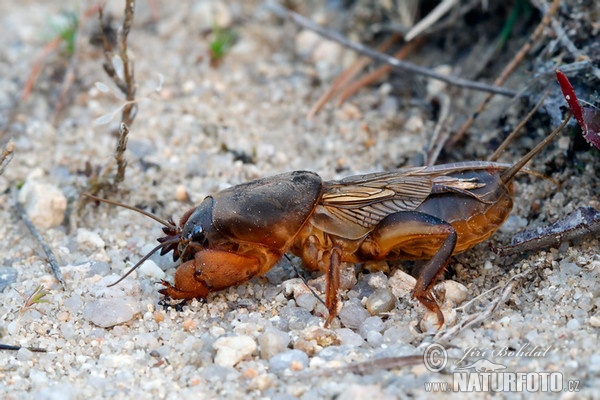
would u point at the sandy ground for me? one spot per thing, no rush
(194, 136)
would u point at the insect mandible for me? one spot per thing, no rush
(426, 213)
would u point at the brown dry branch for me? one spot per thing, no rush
(396, 64)
(507, 71)
(123, 74)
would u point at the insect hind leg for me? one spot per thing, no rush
(414, 235)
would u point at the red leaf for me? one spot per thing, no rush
(587, 117)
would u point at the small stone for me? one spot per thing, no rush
(296, 318)
(402, 284)
(375, 339)
(89, 239)
(573, 324)
(371, 324)
(595, 321)
(307, 301)
(349, 338)
(353, 314)
(322, 336)
(107, 312)
(181, 194)
(399, 334)
(381, 301)
(233, 349)
(287, 360)
(430, 322)
(8, 275)
(24, 354)
(188, 325)
(45, 204)
(151, 270)
(272, 342)
(456, 293)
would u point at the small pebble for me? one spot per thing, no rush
(371, 324)
(181, 194)
(402, 284)
(307, 301)
(151, 270)
(349, 338)
(322, 336)
(24, 354)
(272, 342)
(353, 314)
(573, 324)
(233, 349)
(399, 334)
(45, 204)
(8, 275)
(375, 339)
(89, 239)
(286, 360)
(107, 312)
(456, 293)
(381, 301)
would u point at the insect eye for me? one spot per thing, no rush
(197, 232)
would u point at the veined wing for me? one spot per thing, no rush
(352, 206)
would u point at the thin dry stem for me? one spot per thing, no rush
(120, 154)
(36, 234)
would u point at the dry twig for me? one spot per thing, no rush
(36, 234)
(16, 348)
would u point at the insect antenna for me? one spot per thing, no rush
(147, 256)
(167, 243)
(508, 174)
(139, 210)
